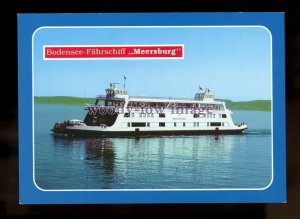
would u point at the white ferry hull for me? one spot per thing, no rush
(99, 131)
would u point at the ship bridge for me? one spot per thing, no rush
(114, 92)
(205, 96)
(113, 97)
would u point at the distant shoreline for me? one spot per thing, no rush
(259, 105)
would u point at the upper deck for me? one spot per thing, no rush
(171, 100)
(114, 94)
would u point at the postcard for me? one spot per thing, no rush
(151, 108)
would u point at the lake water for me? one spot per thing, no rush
(181, 162)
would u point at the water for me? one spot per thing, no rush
(181, 162)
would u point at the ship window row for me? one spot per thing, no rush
(143, 115)
(122, 92)
(163, 115)
(204, 115)
(162, 124)
(138, 124)
(113, 103)
(113, 92)
(150, 104)
(209, 115)
(204, 107)
(175, 124)
(163, 104)
(216, 124)
(183, 124)
(168, 104)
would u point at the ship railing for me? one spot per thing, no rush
(159, 98)
(104, 97)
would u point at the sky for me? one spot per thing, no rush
(233, 62)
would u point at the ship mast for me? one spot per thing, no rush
(124, 82)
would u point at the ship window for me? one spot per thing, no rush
(144, 114)
(208, 124)
(148, 124)
(174, 124)
(138, 124)
(162, 115)
(198, 124)
(220, 115)
(126, 115)
(140, 114)
(214, 115)
(215, 124)
(132, 114)
(151, 114)
(224, 116)
(162, 124)
(196, 115)
(195, 124)
(148, 115)
(222, 123)
(183, 124)
(128, 124)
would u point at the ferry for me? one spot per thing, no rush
(118, 114)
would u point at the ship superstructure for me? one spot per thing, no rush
(118, 114)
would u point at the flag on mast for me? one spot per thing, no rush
(124, 81)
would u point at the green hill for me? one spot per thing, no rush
(261, 105)
(64, 100)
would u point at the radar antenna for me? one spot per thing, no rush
(113, 85)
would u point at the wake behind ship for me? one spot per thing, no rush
(117, 114)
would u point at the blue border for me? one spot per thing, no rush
(29, 194)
